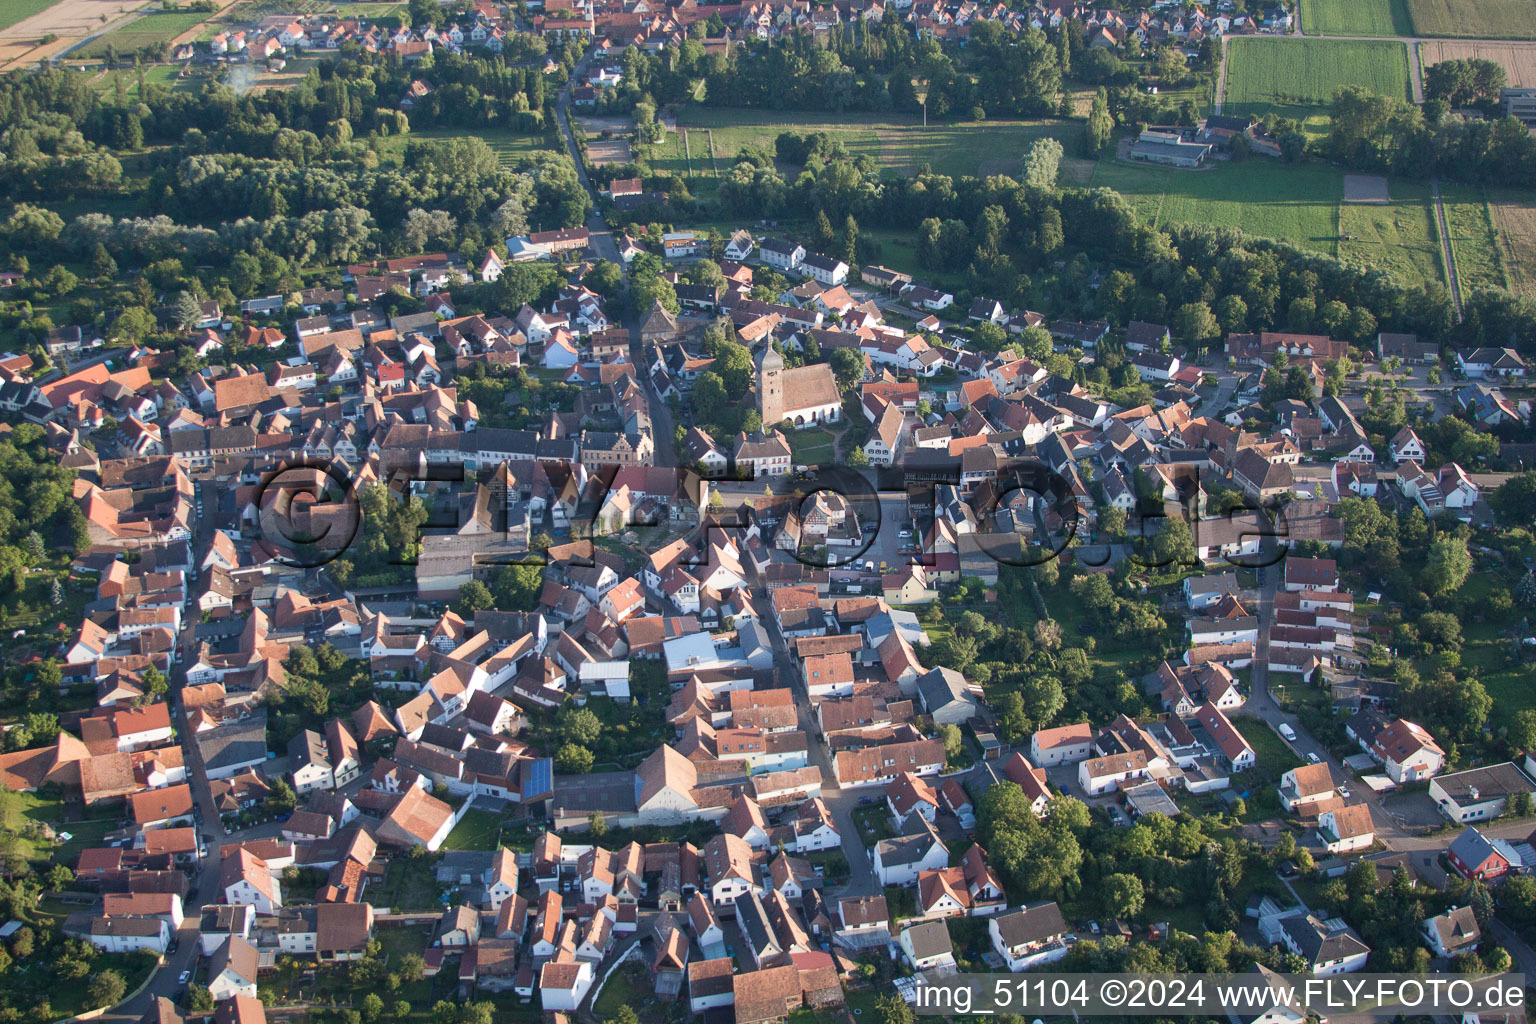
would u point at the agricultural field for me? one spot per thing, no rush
(1514, 222)
(13, 11)
(1517, 59)
(1299, 77)
(24, 24)
(150, 30)
(1474, 243)
(714, 137)
(1398, 236)
(1356, 18)
(1473, 19)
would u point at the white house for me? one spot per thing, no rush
(1346, 829)
(926, 946)
(1030, 936)
(781, 255)
(900, 860)
(1455, 931)
(563, 985)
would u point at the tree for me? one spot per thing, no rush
(1447, 566)
(1122, 895)
(107, 988)
(199, 999)
(1101, 125)
(581, 726)
(411, 967)
(1043, 163)
(623, 1015)
(605, 278)
(1043, 698)
(1173, 544)
(188, 310)
(474, 596)
(954, 741)
(58, 878)
(1195, 324)
(373, 1007)
(516, 586)
(573, 760)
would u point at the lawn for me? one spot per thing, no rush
(1400, 237)
(1474, 243)
(1473, 19)
(150, 30)
(477, 830)
(410, 884)
(1356, 17)
(715, 136)
(1271, 750)
(20, 812)
(811, 447)
(13, 11)
(1298, 77)
(1297, 204)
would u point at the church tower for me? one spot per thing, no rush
(770, 385)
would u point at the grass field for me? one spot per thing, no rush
(1273, 754)
(13, 11)
(1297, 204)
(1514, 222)
(1297, 77)
(1399, 237)
(1478, 19)
(716, 136)
(168, 75)
(477, 830)
(1474, 245)
(510, 146)
(1356, 17)
(146, 31)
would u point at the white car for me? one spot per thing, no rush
(1314, 759)
(186, 976)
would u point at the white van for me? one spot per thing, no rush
(1288, 732)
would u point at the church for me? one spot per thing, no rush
(802, 396)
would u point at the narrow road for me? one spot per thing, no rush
(1446, 254)
(1221, 75)
(840, 802)
(1261, 704)
(601, 240)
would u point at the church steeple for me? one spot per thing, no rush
(770, 384)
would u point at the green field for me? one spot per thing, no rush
(13, 11)
(1473, 19)
(971, 148)
(1298, 77)
(1300, 204)
(1356, 17)
(1399, 237)
(511, 146)
(1474, 243)
(1297, 204)
(149, 30)
(168, 75)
